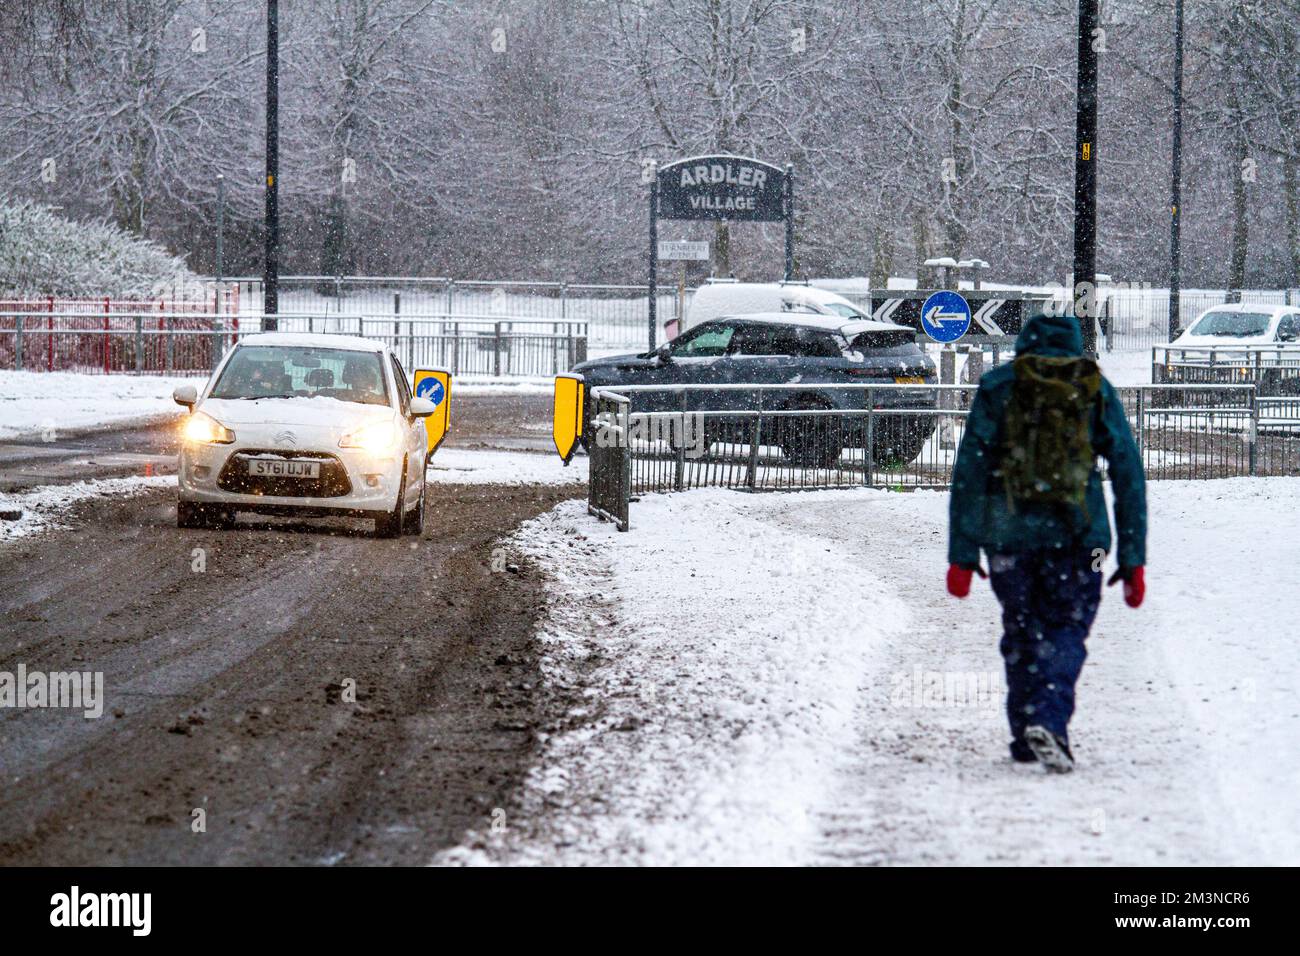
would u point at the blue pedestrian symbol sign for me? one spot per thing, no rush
(431, 389)
(945, 316)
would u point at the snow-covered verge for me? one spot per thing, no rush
(782, 679)
(476, 466)
(502, 385)
(43, 508)
(46, 404)
(716, 686)
(1126, 367)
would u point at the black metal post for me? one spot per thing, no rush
(271, 268)
(789, 222)
(654, 256)
(1176, 192)
(221, 225)
(1085, 179)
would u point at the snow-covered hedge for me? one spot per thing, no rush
(44, 254)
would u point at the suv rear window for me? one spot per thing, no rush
(793, 340)
(885, 342)
(803, 342)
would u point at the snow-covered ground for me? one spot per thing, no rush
(783, 679)
(43, 508)
(1129, 367)
(50, 403)
(475, 466)
(500, 385)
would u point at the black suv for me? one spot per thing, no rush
(782, 348)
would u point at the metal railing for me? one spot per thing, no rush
(111, 342)
(1273, 369)
(617, 315)
(892, 436)
(759, 438)
(467, 344)
(165, 343)
(609, 485)
(1136, 318)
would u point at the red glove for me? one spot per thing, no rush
(959, 579)
(1135, 584)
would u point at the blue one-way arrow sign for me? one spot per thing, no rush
(945, 316)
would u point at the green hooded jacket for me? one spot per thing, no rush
(979, 515)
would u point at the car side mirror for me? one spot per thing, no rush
(665, 355)
(422, 408)
(186, 395)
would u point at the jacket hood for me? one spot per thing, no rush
(1050, 335)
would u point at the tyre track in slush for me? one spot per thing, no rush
(224, 687)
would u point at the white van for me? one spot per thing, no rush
(717, 298)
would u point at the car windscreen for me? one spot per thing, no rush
(256, 371)
(1236, 324)
(847, 311)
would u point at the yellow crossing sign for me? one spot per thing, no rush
(435, 385)
(566, 424)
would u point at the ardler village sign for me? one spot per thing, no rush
(719, 188)
(722, 187)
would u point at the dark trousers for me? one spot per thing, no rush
(1049, 600)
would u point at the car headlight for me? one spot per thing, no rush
(378, 438)
(202, 429)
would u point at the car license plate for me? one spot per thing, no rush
(909, 380)
(282, 468)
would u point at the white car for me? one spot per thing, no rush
(1242, 323)
(718, 298)
(304, 424)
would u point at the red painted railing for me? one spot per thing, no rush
(170, 335)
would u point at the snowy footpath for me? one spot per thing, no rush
(50, 403)
(750, 679)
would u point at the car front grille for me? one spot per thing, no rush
(332, 483)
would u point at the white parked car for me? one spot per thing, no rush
(1242, 323)
(718, 298)
(304, 424)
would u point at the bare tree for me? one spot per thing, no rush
(509, 136)
(357, 122)
(147, 114)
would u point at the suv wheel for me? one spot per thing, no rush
(897, 440)
(812, 441)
